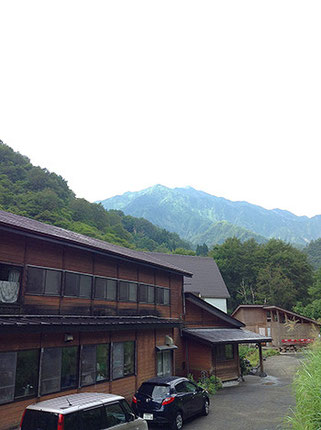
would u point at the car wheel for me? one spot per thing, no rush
(206, 407)
(178, 421)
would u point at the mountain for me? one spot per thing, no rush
(39, 194)
(200, 217)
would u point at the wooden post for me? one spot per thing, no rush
(261, 372)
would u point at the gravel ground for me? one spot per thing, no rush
(255, 404)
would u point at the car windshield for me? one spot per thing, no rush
(154, 391)
(38, 420)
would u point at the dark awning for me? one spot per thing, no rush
(61, 323)
(224, 335)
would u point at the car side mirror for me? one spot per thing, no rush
(132, 417)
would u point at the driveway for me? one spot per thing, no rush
(255, 404)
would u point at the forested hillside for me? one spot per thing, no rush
(275, 273)
(39, 194)
(313, 251)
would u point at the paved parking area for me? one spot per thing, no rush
(256, 404)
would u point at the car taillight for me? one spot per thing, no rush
(168, 400)
(134, 400)
(60, 422)
(23, 415)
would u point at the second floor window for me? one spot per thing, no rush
(43, 281)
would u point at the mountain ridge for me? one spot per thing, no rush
(191, 213)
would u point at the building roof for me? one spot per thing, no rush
(213, 310)
(62, 323)
(224, 335)
(17, 223)
(207, 279)
(267, 307)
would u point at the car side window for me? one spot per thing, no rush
(71, 421)
(190, 388)
(93, 419)
(127, 409)
(115, 415)
(180, 388)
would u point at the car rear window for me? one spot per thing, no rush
(154, 391)
(38, 420)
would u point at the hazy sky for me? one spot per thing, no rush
(117, 96)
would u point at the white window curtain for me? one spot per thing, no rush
(9, 290)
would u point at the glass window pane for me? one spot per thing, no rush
(166, 296)
(151, 294)
(167, 363)
(143, 293)
(39, 420)
(132, 297)
(51, 370)
(27, 373)
(69, 367)
(35, 280)
(72, 284)
(229, 353)
(102, 362)
(111, 289)
(159, 364)
(93, 419)
(123, 291)
(71, 421)
(115, 415)
(118, 360)
(100, 288)
(159, 296)
(7, 376)
(9, 283)
(53, 282)
(129, 358)
(88, 365)
(85, 286)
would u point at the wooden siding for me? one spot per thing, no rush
(146, 340)
(25, 251)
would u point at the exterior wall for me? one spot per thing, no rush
(24, 251)
(218, 303)
(198, 317)
(253, 318)
(146, 341)
(274, 325)
(202, 358)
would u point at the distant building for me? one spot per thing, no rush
(207, 281)
(278, 323)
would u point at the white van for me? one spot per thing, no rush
(84, 411)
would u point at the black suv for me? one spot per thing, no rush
(170, 400)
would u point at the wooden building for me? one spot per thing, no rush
(211, 340)
(78, 314)
(277, 323)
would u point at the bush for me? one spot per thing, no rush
(307, 387)
(209, 383)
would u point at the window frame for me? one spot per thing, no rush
(128, 283)
(79, 274)
(112, 360)
(106, 279)
(44, 280)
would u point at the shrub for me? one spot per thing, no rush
(209, 383)
(307, 388)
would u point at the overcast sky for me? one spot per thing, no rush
(116, 96)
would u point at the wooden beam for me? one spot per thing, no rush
(261, 372)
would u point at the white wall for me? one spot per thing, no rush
(218, 303)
